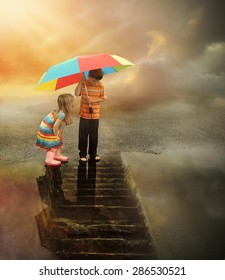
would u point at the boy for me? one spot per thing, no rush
(92, 93)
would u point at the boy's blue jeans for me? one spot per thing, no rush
(88, 134)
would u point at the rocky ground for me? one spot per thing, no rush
(155, 130)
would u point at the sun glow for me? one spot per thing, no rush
(14, 12)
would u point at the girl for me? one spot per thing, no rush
(49, 135)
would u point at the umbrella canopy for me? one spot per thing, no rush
(69, 72)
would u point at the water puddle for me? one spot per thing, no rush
(183, 192)
(20, 202)
(90, 212)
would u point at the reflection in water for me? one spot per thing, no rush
(86, 183)
(82, 222)
(50, 186)
(52, 196)
(57, 221)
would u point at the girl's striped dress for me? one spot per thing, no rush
(45, 136)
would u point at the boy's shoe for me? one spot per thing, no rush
(95, 158)
(83, 159)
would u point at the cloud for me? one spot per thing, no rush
(145, 85)
(157, 41)
(213, 59)
(177, 46)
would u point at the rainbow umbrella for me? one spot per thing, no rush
(70, 71)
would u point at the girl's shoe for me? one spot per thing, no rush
(60, 157)
(50, 159)
(53, 162)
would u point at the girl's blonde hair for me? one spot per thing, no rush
(66, 104)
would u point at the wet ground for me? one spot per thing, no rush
(183, 193)
(175, 155)
(20, 203)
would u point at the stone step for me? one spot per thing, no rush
(99, 191)
(97, 212)
(46, 219)
(96, 185)
(106, 256)
(103, 179)
(106, 185)
(75, 230)
(73, 172)
(92, 199)
(103, 173)
(98, 245)
(100, 222)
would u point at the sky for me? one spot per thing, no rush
(177, 46)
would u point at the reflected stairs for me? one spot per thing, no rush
(91, 212)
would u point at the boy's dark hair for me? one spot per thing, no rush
(96, 74)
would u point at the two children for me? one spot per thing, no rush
(49, 135)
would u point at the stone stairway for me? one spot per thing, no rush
(91, 212)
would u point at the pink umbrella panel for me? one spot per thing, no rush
(69, 72)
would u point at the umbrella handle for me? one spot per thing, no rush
(88, 99)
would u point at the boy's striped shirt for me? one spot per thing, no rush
(96, 91)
